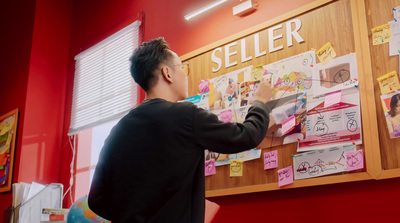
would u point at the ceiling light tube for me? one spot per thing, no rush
(205, 8)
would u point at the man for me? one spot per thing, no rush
(151, 168)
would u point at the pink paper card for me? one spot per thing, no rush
(355, 160)
(271, 160)
(285, 176)
(226, 116)
(204, 86)
(288, 124)
(332, 98)
(210, 167)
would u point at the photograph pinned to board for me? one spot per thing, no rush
(226, 89)
(292, 75)
(200, 100)
(391, 108)
(341, 73)
(321, 162)
(281, 110)
(336, 125)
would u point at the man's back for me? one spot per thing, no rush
(151, 168)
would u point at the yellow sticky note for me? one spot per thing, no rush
(211, 95)
(326, 53)
(236, 168)
(381, 34)
(257, 73)
(389, 82)
(241, 77)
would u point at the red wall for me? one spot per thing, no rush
(42, 37)
(16, 22)
(367, 201)
(35, 47)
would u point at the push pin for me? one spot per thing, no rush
(355, 85)
(355, 79)
(298, 139)
(354, 143)
(292, 155)
(311, 65)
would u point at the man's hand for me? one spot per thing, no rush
(263, 92)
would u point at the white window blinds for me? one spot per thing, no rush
(103, 87)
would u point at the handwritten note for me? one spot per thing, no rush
(236, 168)
(226, 116)
(355, 160)
(257, 73)
(285, 176)
(332, 98)
(389, 82)
(288, 124)
(381, 34)
(203, 86)
(326, 53)
(271, 160)
(210, 167)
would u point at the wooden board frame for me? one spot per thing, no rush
(368, 106)
(380, 62)
(7, 187)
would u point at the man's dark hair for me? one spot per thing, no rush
(146, 59)
(393, 103)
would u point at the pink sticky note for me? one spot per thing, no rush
(355, 160)
(226, 116)
(288, 124)
(210, 167)
(204, 86)
(285, 176)
(332, 98)
(271, 160)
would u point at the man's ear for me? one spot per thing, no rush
(166, 73)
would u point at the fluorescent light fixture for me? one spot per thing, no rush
(205, 8)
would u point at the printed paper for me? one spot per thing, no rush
(321, 162)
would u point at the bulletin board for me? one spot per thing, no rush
(341, 23)
(387, 160)
(8, 132)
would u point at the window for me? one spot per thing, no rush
(103, 87)
(104, 91)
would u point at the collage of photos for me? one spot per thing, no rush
(300, 87)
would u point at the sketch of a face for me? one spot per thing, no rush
(236, 167)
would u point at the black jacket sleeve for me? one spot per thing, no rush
(226, 138)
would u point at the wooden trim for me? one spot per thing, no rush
(254, 29)
(386, 174)
(368, 106)
(296, 184)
